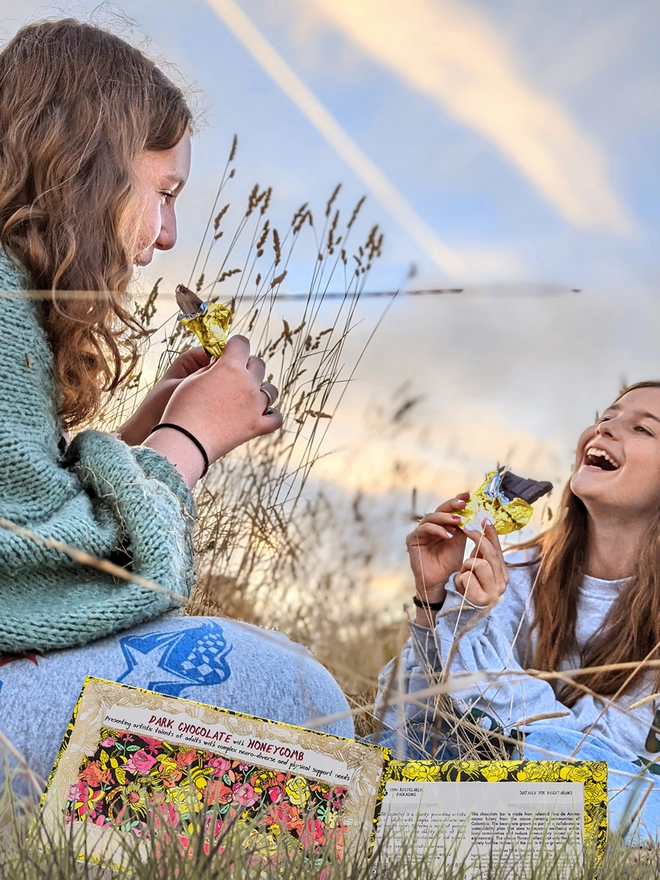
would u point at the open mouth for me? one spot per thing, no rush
(598, 458)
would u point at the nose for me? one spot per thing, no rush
(607, 428)
(167, 235)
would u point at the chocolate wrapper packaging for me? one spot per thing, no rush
(505, 499)
(209, 321)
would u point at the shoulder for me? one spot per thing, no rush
(20, 315)
(522, 565)
(13, 276)
(29, 387)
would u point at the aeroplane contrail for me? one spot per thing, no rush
(316, 113)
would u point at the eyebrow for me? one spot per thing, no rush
(644, 414)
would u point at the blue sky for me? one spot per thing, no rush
(523, 135)
(498, 142)
(569, 90)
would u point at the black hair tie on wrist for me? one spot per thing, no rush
(430, 606)
(190, 437)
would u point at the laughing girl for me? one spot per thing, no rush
(585, 594)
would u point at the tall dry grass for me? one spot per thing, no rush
(272, 549)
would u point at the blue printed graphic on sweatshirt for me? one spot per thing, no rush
(170, 662)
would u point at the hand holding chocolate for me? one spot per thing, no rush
(505, 499)
(209, 321)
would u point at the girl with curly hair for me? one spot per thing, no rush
(94, 153)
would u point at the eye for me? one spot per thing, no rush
(642, 430)
(167, 196)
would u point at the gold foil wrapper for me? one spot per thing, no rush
(489, 503)
(211, 326)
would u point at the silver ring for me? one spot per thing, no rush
(269, 409)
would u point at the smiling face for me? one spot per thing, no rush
(617, 466)
(159, 178)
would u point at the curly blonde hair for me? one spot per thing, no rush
(77, 105)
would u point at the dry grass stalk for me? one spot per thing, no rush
(259, 536)
(261, 539)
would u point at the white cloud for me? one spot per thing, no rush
(451, 52)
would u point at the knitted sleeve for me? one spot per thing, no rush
(103, 497)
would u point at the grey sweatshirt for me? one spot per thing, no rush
(495, 640)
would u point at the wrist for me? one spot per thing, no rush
(431, 592)
(428, 601)
(426, 610)
(425, 617)
(180, 452)
(135, 429)
(132, 432)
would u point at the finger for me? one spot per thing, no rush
(471, 564)
(237, 349)
(257, 367)
(429, 530)
(270, 393)
(479, 573)
(272, 421)
(197, 357)
(494, 540)
(454, 503)
(483, 578)
(487, 545)
(477, 537)
(487, 542)
(468, 585)
(187, 363)
(464, 580)
(481, 570)
(448, 519)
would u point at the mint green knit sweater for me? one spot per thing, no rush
(101, 496)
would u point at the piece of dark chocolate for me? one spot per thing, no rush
(187, 301)
(530, 491)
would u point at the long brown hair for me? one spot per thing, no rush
(77, 105)
(631, 630)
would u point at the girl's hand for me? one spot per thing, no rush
(484, 576)
(222, 405)
(150, 412)
(436, 549)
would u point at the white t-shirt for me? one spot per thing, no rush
(500, 640)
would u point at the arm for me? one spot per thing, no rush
(223, 405)
(103, 497)
(494, 638)
(435, 549)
